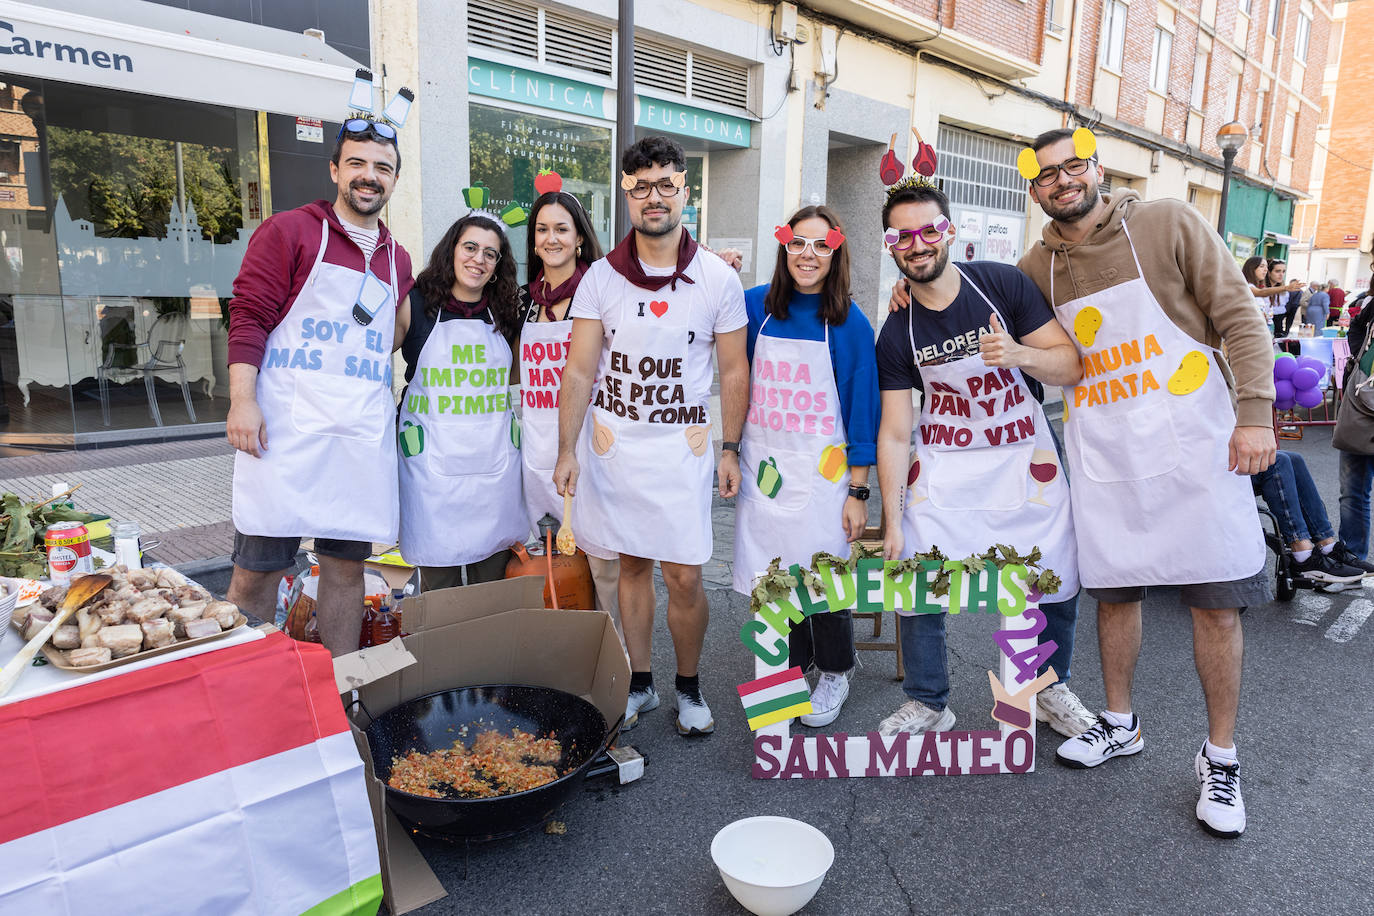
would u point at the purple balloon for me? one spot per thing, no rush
(1310, 397)
(1284, 366)
(1284, 391)
(1305, 379)
(1311, 362)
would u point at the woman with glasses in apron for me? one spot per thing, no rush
(810, 434)
(461, 497)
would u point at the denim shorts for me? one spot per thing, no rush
(259, 553)
(1240, 593)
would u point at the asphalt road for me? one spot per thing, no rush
(1121, 838)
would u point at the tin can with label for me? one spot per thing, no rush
(69, 552)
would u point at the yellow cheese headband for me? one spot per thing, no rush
(628, 181)
(1084, 147)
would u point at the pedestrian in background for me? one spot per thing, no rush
(1318, 306)
(1337, 306)
(1281, 307)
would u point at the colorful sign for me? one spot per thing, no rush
(870, 584)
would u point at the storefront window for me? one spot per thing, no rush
(508, 148)
(127, 224)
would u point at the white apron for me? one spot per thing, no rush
(544, 352)
(1146, 433)
(324, 388)
(986, 471)
(461, 498)
(645, 485)
(786, 508)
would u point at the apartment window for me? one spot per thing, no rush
(1159, 66)
(1290, 127)
(1275, 15)
(1113, 34)
(1304, 36)
(1199, 80)
(1245, 6)
(1056, 16)
(1333, 51)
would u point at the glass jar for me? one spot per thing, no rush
(126, 545)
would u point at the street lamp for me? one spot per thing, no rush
(1230, 137)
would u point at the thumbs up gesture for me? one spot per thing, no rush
(998, 348)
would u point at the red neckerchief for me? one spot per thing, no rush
(624, 258)
(466, 309)
(547, 298)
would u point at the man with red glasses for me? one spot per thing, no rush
(312, 325)
(978, 341)
(1161, 436)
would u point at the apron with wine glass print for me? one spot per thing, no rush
(985, 470)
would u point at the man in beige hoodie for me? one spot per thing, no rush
(1161, 434)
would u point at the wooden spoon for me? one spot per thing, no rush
(567, 544)
(81, 591)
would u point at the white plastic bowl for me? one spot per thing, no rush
(772, 865)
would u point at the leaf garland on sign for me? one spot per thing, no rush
(778, 583)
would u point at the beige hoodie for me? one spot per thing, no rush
(1189, 271)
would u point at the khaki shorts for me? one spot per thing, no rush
(1240, 593)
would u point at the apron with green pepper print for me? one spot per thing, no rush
(795, 477)
(461, 494)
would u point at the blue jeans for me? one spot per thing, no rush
(1357, 473)
(1293, 498)
(923, 650)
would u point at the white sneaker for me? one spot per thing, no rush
(1101, 743)
(1065, 713)
(826, 700)
(1220, 809)
(914, 717)
(639, 701)
(693, 716)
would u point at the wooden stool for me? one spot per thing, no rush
(873, 540)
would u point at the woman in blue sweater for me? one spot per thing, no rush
(810, 435)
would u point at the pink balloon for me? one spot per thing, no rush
(1310, 397)
(1306, 378)
(1284, 366)
(1283, 391)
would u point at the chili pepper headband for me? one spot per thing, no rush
(1084, 147)
(477, 198)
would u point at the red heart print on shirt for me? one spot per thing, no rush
(659, 308)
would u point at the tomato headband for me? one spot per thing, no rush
(784, 234)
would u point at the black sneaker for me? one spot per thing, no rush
(1342, 554)
(1324, 569)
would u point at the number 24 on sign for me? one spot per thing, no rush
(1031, 659)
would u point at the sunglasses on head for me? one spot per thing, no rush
(902, 239)
(365, 126)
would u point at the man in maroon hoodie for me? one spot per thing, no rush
(311, 329)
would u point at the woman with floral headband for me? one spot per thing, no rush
(809, 437)
(461, 497)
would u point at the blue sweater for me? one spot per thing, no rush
(851, 358)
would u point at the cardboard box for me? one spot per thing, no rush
(494, 633)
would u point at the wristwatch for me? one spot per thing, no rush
(858, 492)
(730, 447)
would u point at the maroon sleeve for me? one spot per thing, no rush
(404, 280)
(262, 293)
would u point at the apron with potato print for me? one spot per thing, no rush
(646, 465)
(325, 393)
(795, 478)
(1147, 433)
(986, 471)
(544, 352)
(461, 498)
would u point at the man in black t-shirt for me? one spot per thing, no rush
(992, 315)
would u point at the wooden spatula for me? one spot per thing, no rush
(567, 544)
(81, 591)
